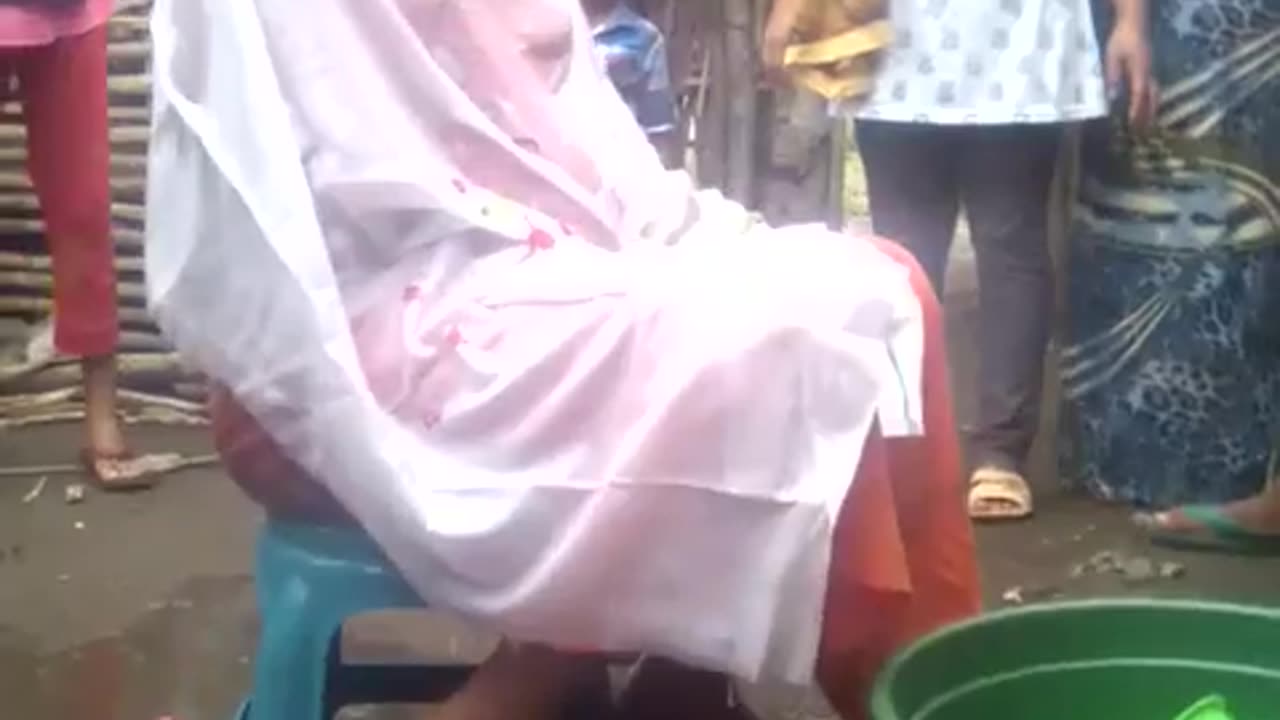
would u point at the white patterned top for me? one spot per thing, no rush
(989, 62)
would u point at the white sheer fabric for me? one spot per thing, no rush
(424, 243)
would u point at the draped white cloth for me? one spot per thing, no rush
(425, 245)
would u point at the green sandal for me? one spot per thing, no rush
(1213, 707)
(1217, 533)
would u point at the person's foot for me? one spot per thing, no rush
(999, 494)
(526, 682)
(665, 690)
(106, 456)
(1258, 515)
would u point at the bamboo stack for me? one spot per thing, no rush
(148, 366)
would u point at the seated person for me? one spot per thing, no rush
(454, 299)
(634, 55)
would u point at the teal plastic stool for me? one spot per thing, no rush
(310, 580)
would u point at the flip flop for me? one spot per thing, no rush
(1216, 533)
(996, 494)
(1213, 707)
(137, 472)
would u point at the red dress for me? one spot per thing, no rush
(60, 62)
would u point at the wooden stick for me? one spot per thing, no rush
(75, 412)
(44, 281)
(51, 397)
(126, 85)
(164, 416)
(16, 133)
(133, 212)
(19, 261)
(43, 306)
(11, 111)
(183, 463)
(13, 150)
(740, 79)
(49, 374)
(140, 343)
(12, 373)
(183, 406)
(15, 183)
(48, 418)
(128, 9)
(38, 470)
(120, 112)
(193, 391)
(16, 157)
(129, 50)
(124, 237)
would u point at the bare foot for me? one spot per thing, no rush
(526, 682)
(106, 455)
(665, 690)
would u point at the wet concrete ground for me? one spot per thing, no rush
(141, 607)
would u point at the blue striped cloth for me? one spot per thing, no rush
(634, 53)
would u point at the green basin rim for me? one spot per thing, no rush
(882, 701)
(1126, 663)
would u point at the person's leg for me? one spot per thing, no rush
(64, 91)
(911, 186)
(663, 689)
(1005, 178)
(903, 550)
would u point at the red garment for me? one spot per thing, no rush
(63, 89)
(903, 561)
(26, 27)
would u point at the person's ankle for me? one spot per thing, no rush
(997, 466)
(1269, 510)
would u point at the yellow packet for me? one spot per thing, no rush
(839, 41)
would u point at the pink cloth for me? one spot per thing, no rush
(471, 303)
(23, 27)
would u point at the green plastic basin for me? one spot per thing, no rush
(1095, 660)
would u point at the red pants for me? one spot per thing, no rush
(63, 89)
(903, 559)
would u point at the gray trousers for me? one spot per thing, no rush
(918, 177)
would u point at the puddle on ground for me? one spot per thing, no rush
(186, 657)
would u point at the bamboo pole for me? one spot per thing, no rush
(136, 370)
(41, 262)
(43, 306)
(14, 182)
(15, 134)
(161, 465)
(711, 126)
(740, 89)
(134, 163)
(127, 238)
(44, 282)
(27, 203)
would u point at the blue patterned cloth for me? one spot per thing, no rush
(1171, 357)
(634, 53)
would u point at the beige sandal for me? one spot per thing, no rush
(996, 494)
